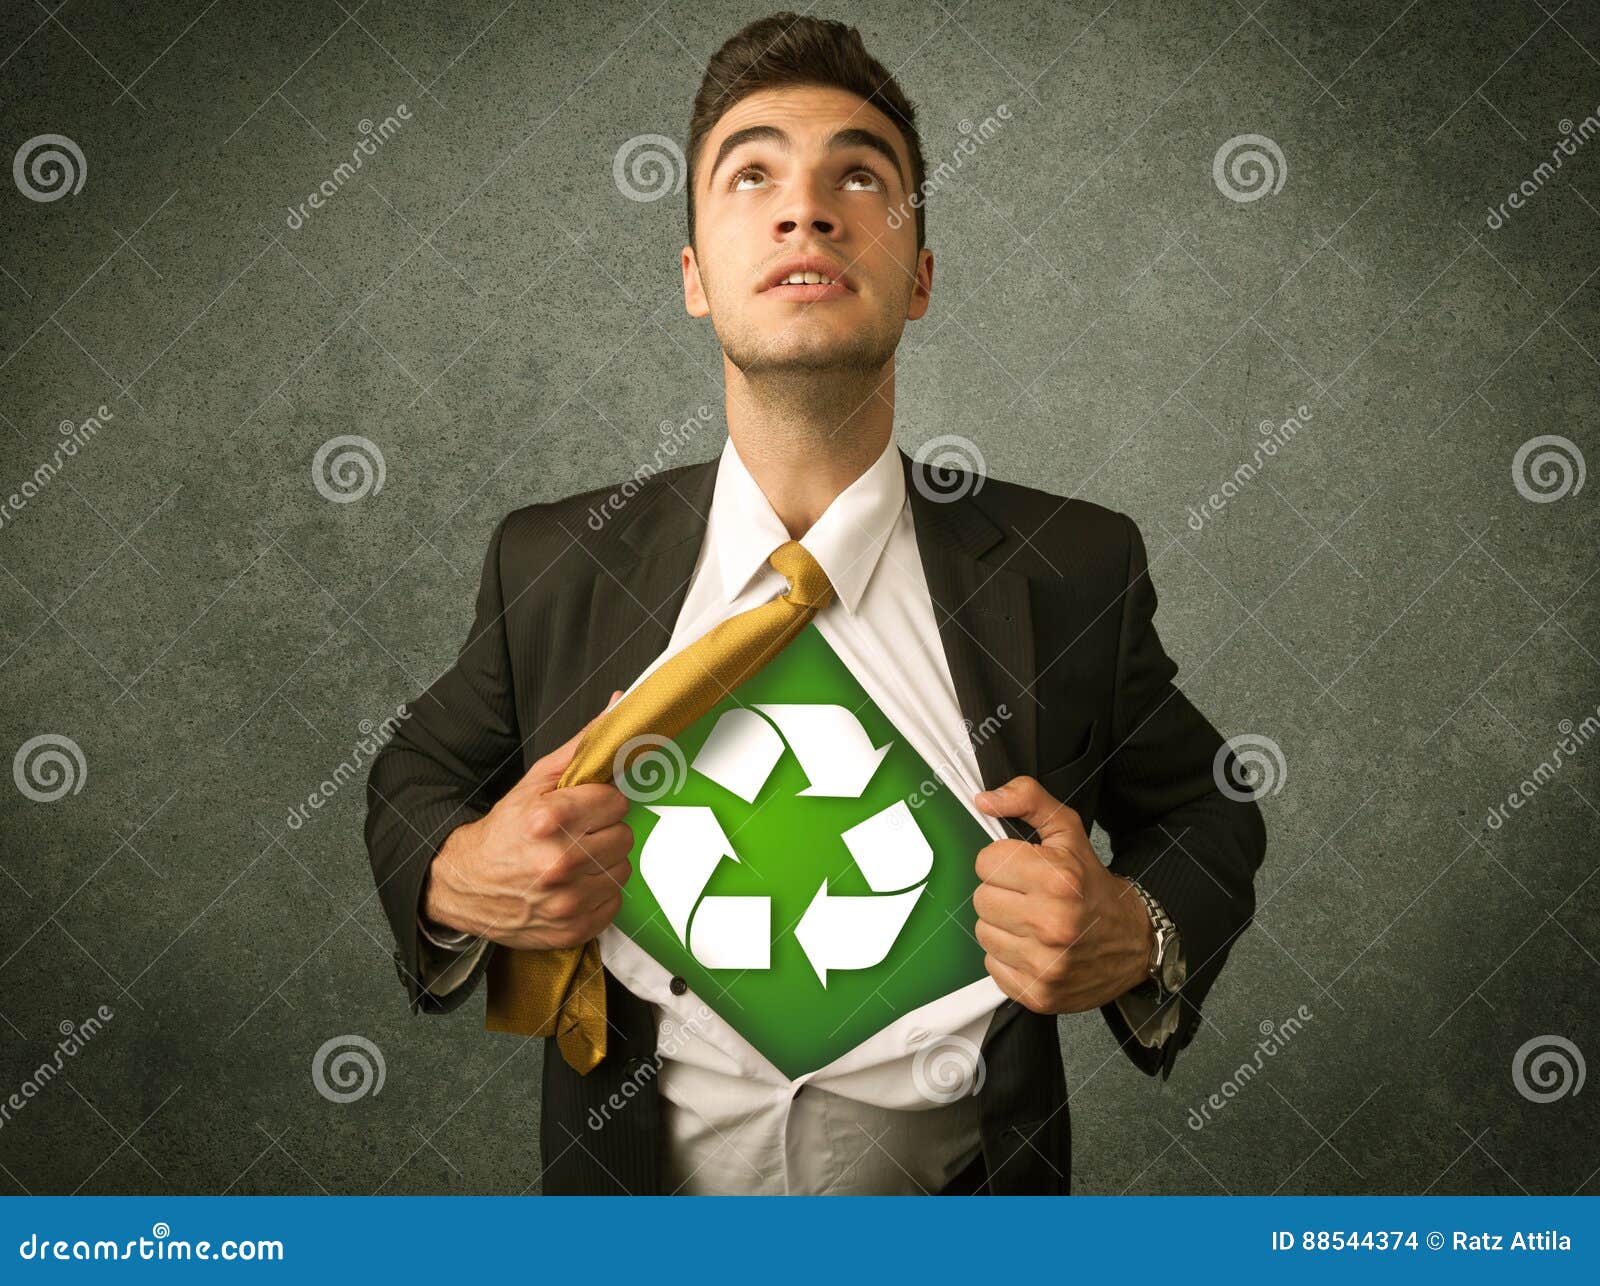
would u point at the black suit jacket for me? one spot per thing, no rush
(1044, 607)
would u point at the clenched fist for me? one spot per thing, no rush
(1062, 933)
(543, 868)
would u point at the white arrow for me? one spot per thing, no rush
(834, 751)
(740, 753)
(732, 933)
(890, 849)
(852, 932)
(679, 855)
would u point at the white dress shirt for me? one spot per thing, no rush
(877, 1119)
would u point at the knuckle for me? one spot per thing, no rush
(542, 821)
(553, 872)
(616, 842)
(1012, 849)
(1060, 928)
(1034, 1000)
(562, 906)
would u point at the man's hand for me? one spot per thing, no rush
(544, 868)
(1063, 934)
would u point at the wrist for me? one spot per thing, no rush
(441, 905)
(1144, 937)
(1166, 970)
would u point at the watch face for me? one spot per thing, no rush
(1173, 970)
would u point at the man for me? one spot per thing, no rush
(954, 605)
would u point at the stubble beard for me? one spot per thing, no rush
(798, 372)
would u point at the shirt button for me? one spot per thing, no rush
(678, 986)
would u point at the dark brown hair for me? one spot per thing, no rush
(787, 49)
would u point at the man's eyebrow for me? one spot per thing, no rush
(839, 141)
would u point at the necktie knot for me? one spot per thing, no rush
(808, 583)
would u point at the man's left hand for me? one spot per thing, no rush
(1062, 933)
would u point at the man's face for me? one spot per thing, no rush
(810, 184)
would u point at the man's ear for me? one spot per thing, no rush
(694, 295)
(921, 291)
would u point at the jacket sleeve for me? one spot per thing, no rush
(456, 753)
(1171, 826)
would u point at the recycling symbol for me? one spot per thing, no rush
(687, 844)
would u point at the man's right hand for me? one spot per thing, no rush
(544, 868)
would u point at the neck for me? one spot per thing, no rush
(807, 435)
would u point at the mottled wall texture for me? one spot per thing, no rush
(1309, 289)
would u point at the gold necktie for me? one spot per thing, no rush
(561, 992)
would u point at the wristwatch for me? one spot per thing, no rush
(1167, 968)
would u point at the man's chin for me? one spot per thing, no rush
(845, 356)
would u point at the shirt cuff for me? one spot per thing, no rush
(1152, 1019)
(445, 957)
(449, 939)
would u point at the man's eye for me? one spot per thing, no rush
(756, 174)
(871, 178)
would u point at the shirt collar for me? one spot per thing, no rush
(846, 540)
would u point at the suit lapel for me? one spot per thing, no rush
(985, 624)
(645, 560)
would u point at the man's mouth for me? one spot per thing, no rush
(807, 279)
(807, 288)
